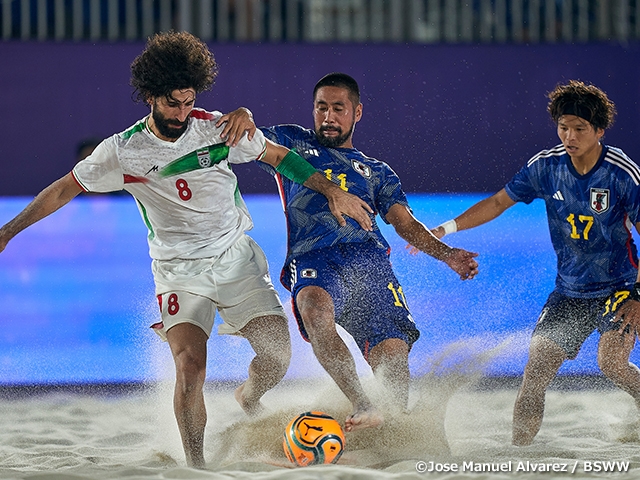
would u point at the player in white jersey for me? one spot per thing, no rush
(176, 163)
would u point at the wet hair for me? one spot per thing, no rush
(585, 101)
(172, 61)
(341, 80)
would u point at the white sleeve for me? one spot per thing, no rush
(248, 151)
(100, 171)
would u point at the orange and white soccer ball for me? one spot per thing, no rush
(313, 438)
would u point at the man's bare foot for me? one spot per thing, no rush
(196, 461)
(251, 408)
(522, 437)
(365, 418)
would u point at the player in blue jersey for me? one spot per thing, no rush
(592, 198)
(343, 274)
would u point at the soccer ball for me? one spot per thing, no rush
(313, 438)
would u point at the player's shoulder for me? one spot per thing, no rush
(355, 154)
(616, 159)
(289, 130)
(134, 130)
(200, 115)
(547, 156)
(371, 167)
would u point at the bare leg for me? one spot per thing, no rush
(269, 338)
(545, 358)
(390, 362)
(316, 307)
(614, 350)
(189, 348)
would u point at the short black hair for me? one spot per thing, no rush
(172, 61)
(585, 101)
(342, 80)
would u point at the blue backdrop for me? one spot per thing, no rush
(77, 293)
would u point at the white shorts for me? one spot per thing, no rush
(235, 283)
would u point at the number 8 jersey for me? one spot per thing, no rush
(186, 191)
(590, 217)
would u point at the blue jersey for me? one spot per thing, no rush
(590, 217)
(310, 224)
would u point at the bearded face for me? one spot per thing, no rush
(170, 113)
(170, 128)
(332, 136)
(334, 116)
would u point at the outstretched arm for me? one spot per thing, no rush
(414, 232)
(298, 169)
(482, 212)
(56, 195)
(340, 202)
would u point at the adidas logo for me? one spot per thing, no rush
(558, 195)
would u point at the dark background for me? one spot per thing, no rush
(446, 118)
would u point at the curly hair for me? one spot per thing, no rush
(584, 101)
(172, 61)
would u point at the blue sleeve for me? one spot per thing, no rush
(389, 193)
(524, 186)
(632, 206)
(282, 135)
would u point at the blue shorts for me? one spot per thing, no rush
(368, 299)
(569, 321)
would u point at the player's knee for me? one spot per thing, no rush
(391, 355)
(190, 368)
(315, 305)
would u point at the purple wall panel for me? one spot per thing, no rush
(446, 118)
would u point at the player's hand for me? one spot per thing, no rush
(438, 232)
(628, 315)
(236, 124)
(342, 204)
(463, 263)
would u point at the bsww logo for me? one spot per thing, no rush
(602, 466)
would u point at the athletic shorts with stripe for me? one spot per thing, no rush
(569, 321)
(368, 299)
(235, 283)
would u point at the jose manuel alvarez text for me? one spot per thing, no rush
(524, 466)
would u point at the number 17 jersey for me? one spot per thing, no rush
(590, 217)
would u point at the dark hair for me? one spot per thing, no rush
(172, 61)
(341, 80)
(584, 101)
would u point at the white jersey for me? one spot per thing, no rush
(186, 192)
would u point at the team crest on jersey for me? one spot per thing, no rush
(309, 273)
(599, 200)
(203, 158)
(361, 168)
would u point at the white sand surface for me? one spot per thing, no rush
(452, 423)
